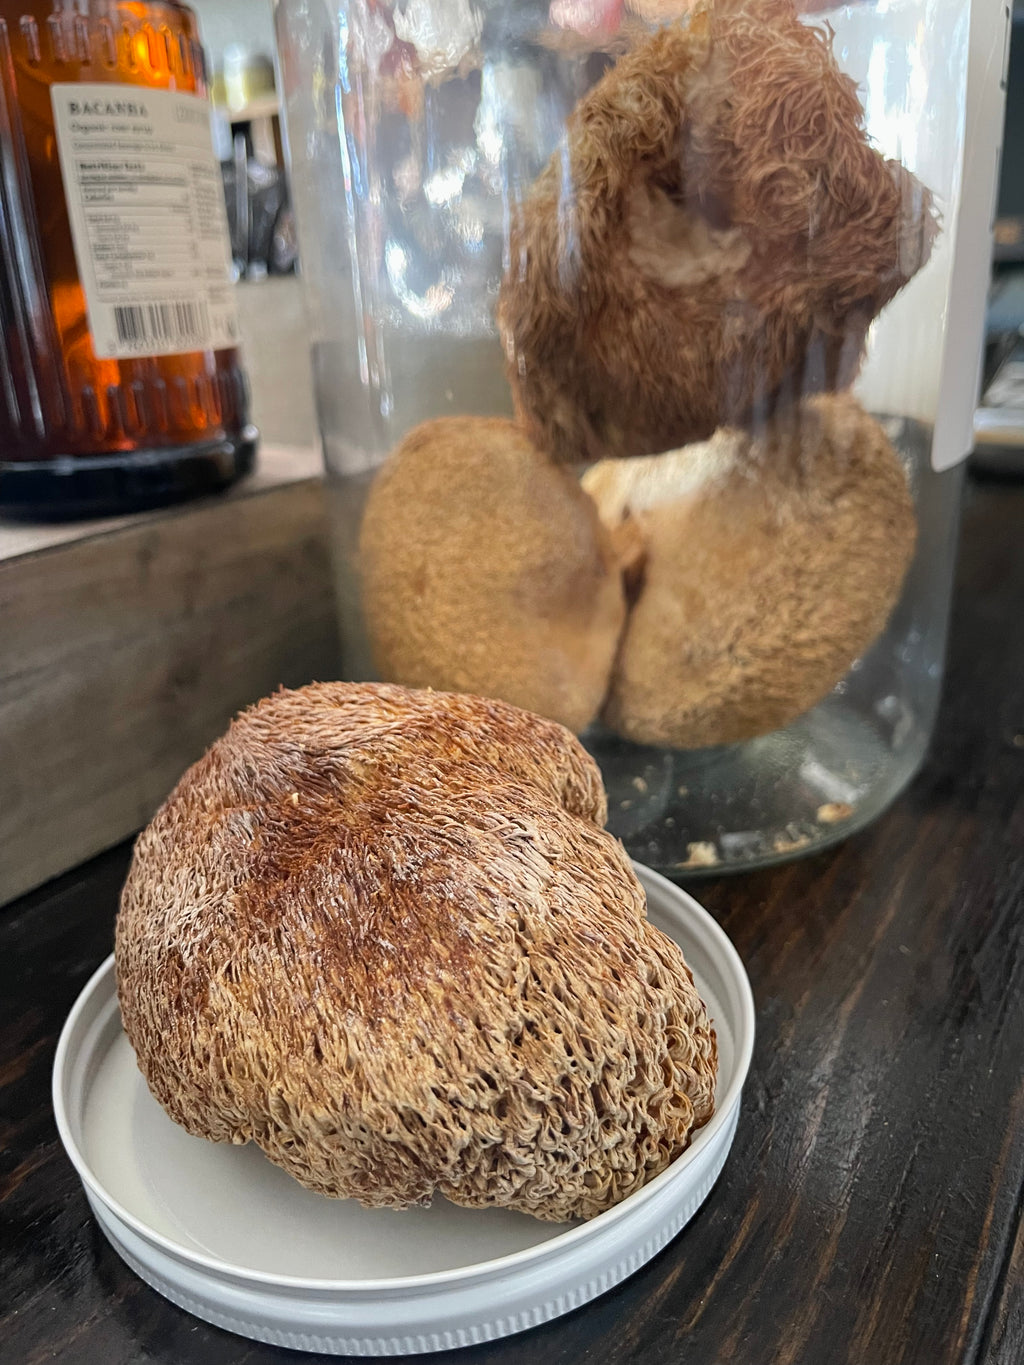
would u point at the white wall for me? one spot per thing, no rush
(248, 22)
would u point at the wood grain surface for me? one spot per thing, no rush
(1005, 1345)
(871, 1210)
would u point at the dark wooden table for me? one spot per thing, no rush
(871, 1210)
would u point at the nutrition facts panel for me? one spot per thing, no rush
(146, 203)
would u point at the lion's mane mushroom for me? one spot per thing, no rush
(485, 569)
(766, 568)
(715, 235)
(384, 935)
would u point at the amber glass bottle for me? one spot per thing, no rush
(120, 381)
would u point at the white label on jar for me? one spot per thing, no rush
(148, 217)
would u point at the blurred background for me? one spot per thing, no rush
(226, 22)
(239, 40)
(999, 429)
(239, 37)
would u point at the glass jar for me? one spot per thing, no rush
(121, 385)
(645, 339)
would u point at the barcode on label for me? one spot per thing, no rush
(144, 324)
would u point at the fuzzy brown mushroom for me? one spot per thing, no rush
(485, 569)
(713, 238)
(768, 567)
(384, 935)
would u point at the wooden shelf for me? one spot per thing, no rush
(130, 643)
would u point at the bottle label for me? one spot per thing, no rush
(148, 217)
